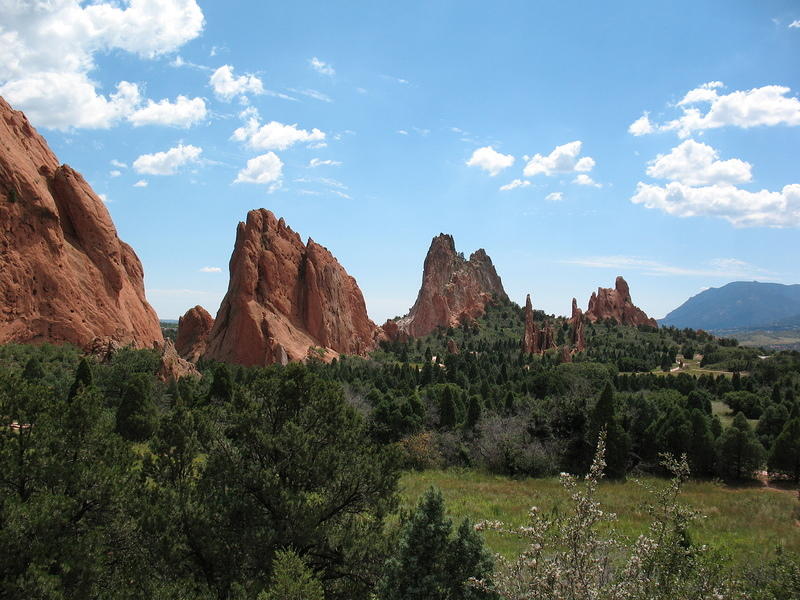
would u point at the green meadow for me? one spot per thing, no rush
(747, 523)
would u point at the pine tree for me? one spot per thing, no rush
(618, 442)
(83, 379)
(428, 564)
(33, 371)
(474, 410)
(740, 452)
(292, 579)
(136, 415)
(785, 454)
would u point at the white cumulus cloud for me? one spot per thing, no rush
(514, 184)
(641, 126)
(584, 179)
(739, 207)
(47, 53)
(321, 66)
(563, 159)
(141, 183)
(490, 160)
(167, 162)
(706, 108)
(554, 197)
(227, 87)
(695, 163)
(274, 135)
(794, 24)
(184, 112)
(266, 168)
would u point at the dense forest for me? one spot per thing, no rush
(282, 482)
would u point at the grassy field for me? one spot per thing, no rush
(747, 522)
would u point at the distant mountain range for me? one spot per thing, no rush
(740, 305)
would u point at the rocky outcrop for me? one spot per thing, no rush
(65, 276)
(452, 347)
(194, 328)
(287, 300)
(530, 339)
(534, 339)
(453, 290)
(616, 304)
(577, 328)
(173, 367)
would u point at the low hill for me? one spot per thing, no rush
(737, 305)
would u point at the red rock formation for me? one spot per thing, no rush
(65, 276)
(535, 340)
(577, 328)
(530, 339)
(452, 347)
(453, 289)
(193, 329)
(287, 300)
(616, 304)
(173, 367)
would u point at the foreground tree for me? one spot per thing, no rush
(288, 464)
(432, 564)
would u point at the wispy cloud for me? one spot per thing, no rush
(210, 270)
(718, 267)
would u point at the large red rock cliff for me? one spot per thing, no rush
(193, 330)
(616, 304)
(65, 276)
(453, 290)
(286, 300)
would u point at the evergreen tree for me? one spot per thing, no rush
(136, 415)
(428, 564)
(292, 580)
(618, 442)
(33, 370)
(474, 410)
(785, 454)
(83, 379)
(740, 452)
(447, 409)
(702, 452)
(221, 389)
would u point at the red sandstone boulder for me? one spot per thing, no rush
(65, 276)
(287, 300)
(193, 330)
(616, 304)
(453, 290)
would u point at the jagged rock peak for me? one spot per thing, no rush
(287, 300)
(577, 328)
(529, 338)
(453, 290)
(193, 330)
(65, 274)
(616, 304)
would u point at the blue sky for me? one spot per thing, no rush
(574, 141)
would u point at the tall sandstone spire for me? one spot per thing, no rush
(616, 304)
(453, 290)
(285, 299)
(65, 276)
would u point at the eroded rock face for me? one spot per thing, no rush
(534, 339)
(616, 304)
(193, 330)
(453, 290)
(65, 276)
(577, 328)
(530, 339)
(173, 367)
(287, 300)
